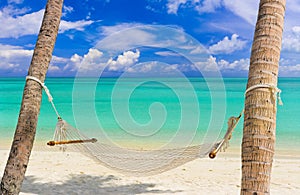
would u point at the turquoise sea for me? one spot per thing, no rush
(152, 110)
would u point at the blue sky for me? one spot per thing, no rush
(225, 29)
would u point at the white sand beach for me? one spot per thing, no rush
(74, 173)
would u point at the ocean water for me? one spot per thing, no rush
(141, 111)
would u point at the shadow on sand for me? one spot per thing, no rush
(86, 184)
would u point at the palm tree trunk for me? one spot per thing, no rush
(15, 169)
(260, 104)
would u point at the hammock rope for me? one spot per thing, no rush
(50, 98)
(138, 162)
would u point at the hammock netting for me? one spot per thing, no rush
(131, 161)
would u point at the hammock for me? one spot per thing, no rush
(130, 161)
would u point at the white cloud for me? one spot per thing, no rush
(121, 40)
(296, 29)
(237, 65)
(242, 66)
(67, 10)
(289, 68)
(15, 23)
(210, 65)
(55, 62)
(173, 5)
(213, 65)
(53, 68)
(109, 30)
(15, 1)
(198, 50)
(124, 61)
(77, 25)
(94, 62)
(88, 16)
(76, 58)
(9, 51)
(208, 6)
(90, 61)
(291, 40)
(228, 45)
(153, 68)
(289, 71)
(15, 27)
(12, 11)
(56, 59)
(286, 69)
(245, 9)
(74, 63)
(291, 43)
(14, 58)
(204, 6)
(167, 53)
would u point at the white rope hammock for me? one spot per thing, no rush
(137, 162)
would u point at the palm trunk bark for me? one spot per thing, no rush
(260, 105)
(15, 169)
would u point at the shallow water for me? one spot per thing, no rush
(153, 110)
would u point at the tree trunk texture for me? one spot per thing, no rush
(260, 105)
(15, 169)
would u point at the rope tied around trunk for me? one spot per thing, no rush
(50, 98)
(274, 90)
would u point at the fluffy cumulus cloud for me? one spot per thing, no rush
(10, 51)
(210, 65)
(56, 64)
(17, 22)
(237, 65)
(228, 45)
(124, 61)
(53, 68)
(94, 62)
(90, 62)
(241, 66)
(14, 59)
